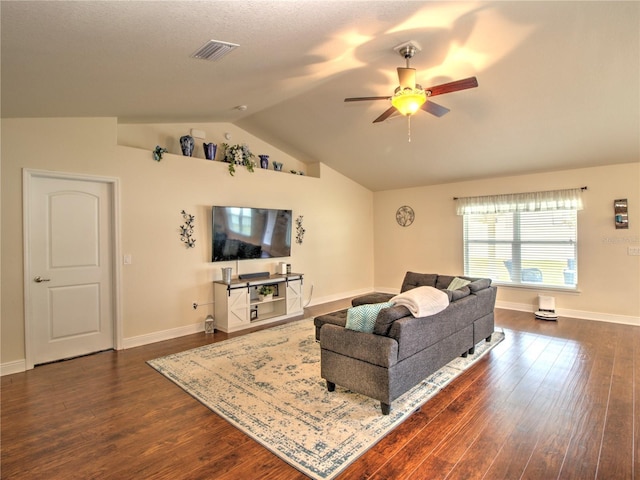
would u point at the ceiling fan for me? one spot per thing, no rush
(409, 97)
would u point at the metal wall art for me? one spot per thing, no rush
(186, 230)
(299, 230)
(405, 216)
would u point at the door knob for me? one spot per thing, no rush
(39, 279)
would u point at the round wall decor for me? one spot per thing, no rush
(405, 216)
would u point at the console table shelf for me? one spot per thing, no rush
(237, 305)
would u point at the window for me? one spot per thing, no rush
(513, 240)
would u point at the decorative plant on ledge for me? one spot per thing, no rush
(158, 152)
(238, 155)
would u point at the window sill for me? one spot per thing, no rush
(533, 286)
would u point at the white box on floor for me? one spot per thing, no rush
(546, 308)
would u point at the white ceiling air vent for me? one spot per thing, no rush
(214, 50)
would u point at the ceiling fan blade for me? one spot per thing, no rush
(434, 108)
(407, 77)
(387, 113)
(359, 99)
(470, 82)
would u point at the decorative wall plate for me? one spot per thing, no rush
(405, 216)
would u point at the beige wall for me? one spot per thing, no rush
(609, 278)
(347, 225)
(165, 278)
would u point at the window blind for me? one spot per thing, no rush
(523, 239)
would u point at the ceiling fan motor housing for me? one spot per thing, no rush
(409, 96)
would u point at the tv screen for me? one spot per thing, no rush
(241, 233)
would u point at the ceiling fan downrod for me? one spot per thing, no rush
(407, 52)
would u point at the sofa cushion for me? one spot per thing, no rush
(479, 284)
(387, 316)
(443, 281)
(413, 280)
(455, 295)
(363, 317)
(457, 283)
(459, 293)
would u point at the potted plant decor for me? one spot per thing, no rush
(265, 292)
(238, 155)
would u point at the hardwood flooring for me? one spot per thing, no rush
(555, 400)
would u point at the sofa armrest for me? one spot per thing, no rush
(370, 348)
(371, 298)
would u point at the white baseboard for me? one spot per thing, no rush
(582, 314)
(16, 366)
(162, 335)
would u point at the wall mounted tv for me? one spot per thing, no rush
(242, 233)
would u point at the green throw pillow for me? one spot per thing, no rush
(457, 283)
(363, 317)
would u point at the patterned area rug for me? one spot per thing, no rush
(268, 385)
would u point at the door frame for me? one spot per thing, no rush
(28, 176)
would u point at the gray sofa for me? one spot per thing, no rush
(403, 350)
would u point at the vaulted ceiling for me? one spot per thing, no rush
(559, 82)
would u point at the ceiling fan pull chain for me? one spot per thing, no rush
(409, 124)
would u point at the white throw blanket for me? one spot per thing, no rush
(422, 301)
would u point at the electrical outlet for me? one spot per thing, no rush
(633, 251)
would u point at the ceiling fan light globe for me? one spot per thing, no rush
(408, 100)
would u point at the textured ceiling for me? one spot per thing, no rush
(559, 83)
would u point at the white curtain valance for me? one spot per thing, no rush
(569, 199)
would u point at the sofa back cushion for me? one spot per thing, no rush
(413, 280)
(387, 316)
(443, 281)
(479, 284)
(458, 293)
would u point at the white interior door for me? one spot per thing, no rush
(69, 267)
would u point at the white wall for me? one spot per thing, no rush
(609, 278)
(165, 278)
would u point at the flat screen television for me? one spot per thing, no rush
(242, 233)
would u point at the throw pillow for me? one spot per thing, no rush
(457, 283)
(363, 317)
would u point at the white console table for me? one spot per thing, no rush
(237, 305)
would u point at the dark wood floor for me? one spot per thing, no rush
(554, 400)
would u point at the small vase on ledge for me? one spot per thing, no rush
(264, 161)
(277, 166)
(186, 144)
(210, 150)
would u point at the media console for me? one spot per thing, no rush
(238, 306)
